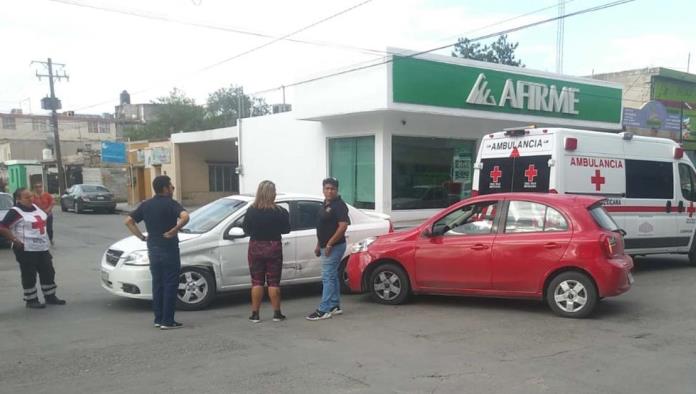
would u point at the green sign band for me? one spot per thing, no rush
(426, 82)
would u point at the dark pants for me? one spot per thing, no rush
(31, 263)
(165, 264)
(49, 226)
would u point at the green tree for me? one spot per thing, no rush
(501, 51)
(223, 106)
(176, 112)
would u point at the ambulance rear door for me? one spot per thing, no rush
(515, 162)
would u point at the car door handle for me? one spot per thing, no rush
(479, 247)
(552, 245)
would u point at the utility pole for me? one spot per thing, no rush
(560, 36)
(240, 111)
(54, 104)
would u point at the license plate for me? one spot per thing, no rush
(630, 278)
(100, 198)
(105, 276)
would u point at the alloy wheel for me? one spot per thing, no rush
(193, 287)
(387, 285)
(570, 296)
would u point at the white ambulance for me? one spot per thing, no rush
(649, 183)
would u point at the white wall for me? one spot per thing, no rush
(359, 91)
(289, 152)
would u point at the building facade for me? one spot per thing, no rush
(402, 136)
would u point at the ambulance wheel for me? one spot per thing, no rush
(692, 258)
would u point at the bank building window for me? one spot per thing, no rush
(352, 162)
(430, 173)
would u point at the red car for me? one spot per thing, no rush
(560, 248)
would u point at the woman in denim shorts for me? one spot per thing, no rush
(264, 222)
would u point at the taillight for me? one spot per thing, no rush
(571, 143)
(612, 245)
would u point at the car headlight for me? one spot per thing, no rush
(137, 258)
(362, 245)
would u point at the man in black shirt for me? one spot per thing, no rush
(332, 224)
(163, 217)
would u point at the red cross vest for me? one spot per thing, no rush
(31, 230)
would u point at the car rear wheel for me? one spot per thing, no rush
(389, 284)
(572, 294)
(196, 289)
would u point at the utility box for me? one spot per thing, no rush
(23, 173)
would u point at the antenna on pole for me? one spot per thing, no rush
(559, 36)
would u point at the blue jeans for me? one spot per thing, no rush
(331, 292)
(165, 264)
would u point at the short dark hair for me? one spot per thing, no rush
(160, 182)
(330, 181)
(17, 193)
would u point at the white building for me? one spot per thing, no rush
(402, 136)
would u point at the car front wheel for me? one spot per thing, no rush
(572, 294)
(196, 289)
(389, 284)
(78, 207)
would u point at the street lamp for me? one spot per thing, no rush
(681, 119)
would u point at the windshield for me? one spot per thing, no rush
(5, 201)
(205, 218)
(94, 189)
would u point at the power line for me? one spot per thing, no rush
(256, 48)
(148, 15)
(483, 37)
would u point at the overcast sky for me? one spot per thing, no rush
(110, 49)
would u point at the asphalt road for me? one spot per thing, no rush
(641, 342)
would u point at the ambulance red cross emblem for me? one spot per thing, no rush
(691, 209)
(531, 173)
(598, 180)
(496, 174)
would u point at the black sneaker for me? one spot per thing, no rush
(172, 326)
(35, 304)
(254, 318)
(53, 300)
(319, 315)
(277, 316)
(336, 310)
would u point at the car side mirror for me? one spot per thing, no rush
(235, 232)
(427, 233)
(438, 229)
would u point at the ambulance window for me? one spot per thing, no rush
(687, 180)
(649, 179)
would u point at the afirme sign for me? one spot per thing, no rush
(426, 82)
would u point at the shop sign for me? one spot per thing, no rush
(457, 86)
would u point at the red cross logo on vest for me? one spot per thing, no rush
(496, 174)
(531, 173)
(691, 209)
(39, 224)
(598, 180)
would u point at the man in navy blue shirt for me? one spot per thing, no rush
(163, 217)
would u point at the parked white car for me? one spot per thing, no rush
(214, 250)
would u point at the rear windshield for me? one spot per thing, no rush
(94, 189)
(603, 219)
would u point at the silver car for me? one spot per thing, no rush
(214, 250)
(5, 206)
